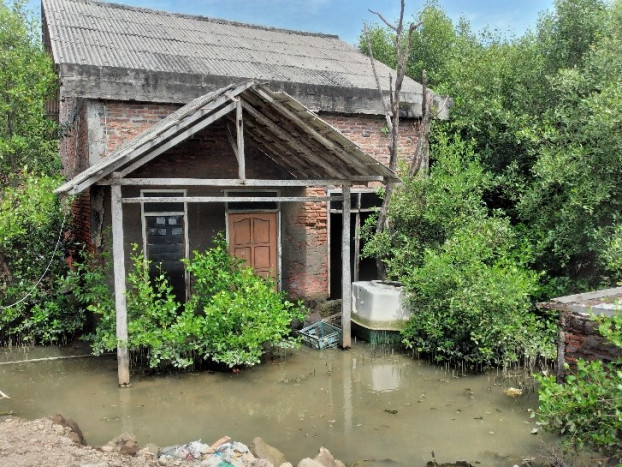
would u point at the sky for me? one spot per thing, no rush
(345, 18)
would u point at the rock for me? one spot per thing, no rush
(58, 429)
(287, 464)
(129, 449)
(70, 428)
(125, 443)
(325, 458)
(306, 462)
(150, 448)
(263, 450)
(102, 464)
(261, 463)
(107, 448)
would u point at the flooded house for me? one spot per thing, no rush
(181, 127)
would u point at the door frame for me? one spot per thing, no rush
(277, 210)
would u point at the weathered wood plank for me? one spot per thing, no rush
(295, 163)
(239, 127)
(347, 155)
(118, 254)
(231, 199)
(346, 277)
(291, 140)
(221, 182)
(179, 138)
(121, 156)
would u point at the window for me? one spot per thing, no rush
(165, 238)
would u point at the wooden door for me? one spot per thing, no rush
(253, 237)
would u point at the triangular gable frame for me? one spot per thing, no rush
(320, 153)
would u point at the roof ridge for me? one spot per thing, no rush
(203, 18)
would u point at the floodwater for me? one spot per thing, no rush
(365, 403)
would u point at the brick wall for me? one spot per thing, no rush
(368, 132)
(125, 120)
(305, 263)
(73, 150)
(209, 154)
(579, 338)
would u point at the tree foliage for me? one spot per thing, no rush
(32, 246)
(465, 268)
(28, 140)
(543, 113)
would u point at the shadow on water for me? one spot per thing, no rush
(364, 404)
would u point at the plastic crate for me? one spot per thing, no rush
(321, 335)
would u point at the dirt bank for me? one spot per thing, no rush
(57, 442)
(41, 442)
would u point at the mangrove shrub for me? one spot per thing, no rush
(231, 318)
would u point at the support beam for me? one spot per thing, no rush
(118, 255)
(283, 135)
(226, 182)
(346, 278)
(231, 199)
(239, 128)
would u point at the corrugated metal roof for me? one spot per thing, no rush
(85, 32)
(308, 147)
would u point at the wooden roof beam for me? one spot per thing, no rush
(340, 151)
(283, 135)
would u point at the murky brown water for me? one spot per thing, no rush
(343, 400)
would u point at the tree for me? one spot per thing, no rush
(573, 205)
(543, 113)
(31, 219)
(28, 140)
(392, 111)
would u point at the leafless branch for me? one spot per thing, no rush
(387, 114)
(379, 15)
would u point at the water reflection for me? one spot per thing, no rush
(360, 404)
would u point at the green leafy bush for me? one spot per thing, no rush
(244, 312)
(34, 308)
(465, 269)
(471, 301)
(230, 318)
(587, 409)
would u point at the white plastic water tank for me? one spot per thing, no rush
(379, 305)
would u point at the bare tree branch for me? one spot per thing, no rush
(421, 159)
(379, 15)
(402, 51)
(387, 114)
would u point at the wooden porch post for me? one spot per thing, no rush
(346, 278)
(239, 126)
(118, 256)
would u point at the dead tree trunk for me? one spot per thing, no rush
(420, 162)
(392, 112)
